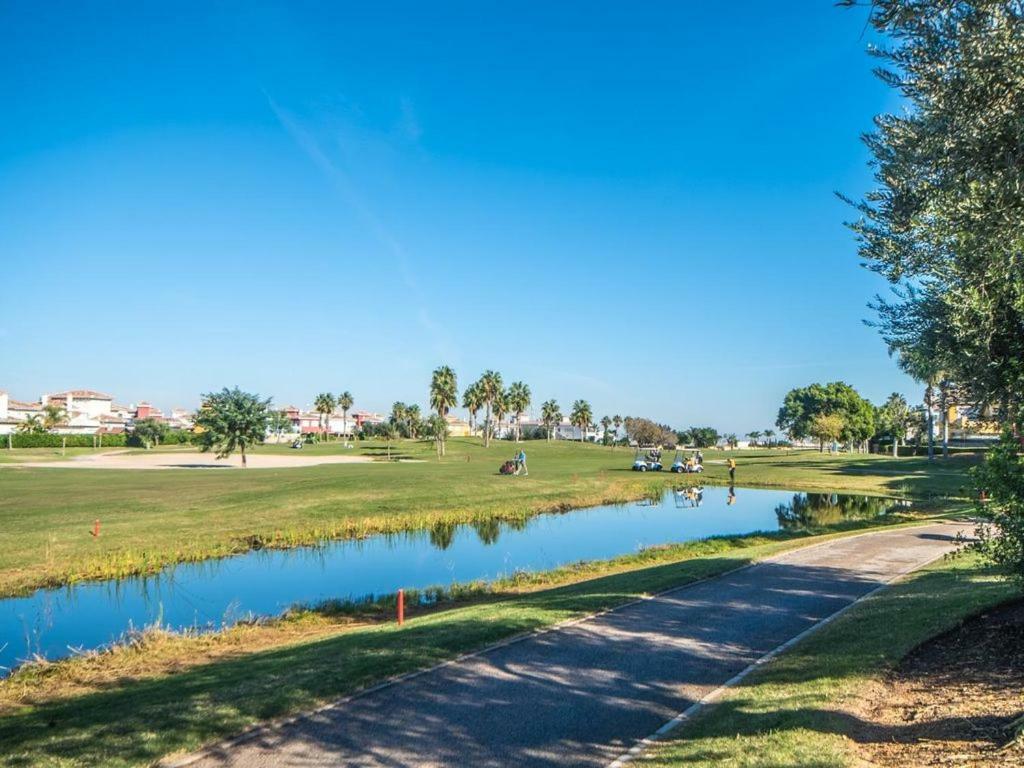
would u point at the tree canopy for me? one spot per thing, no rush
(231, 420)
(802, 405)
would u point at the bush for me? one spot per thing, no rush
(51, 440)
(1001, 480)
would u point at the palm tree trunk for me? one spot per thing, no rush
(487, 425)
(928, 396)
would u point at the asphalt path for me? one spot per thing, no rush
(583, 694)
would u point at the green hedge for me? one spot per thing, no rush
(50, 440)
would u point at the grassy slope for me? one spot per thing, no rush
(131, 716)
(791, 712)
(151, 517)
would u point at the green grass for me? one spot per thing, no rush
(150, 518)
(128, 720)
(791, 713)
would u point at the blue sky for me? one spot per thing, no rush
(628, 203)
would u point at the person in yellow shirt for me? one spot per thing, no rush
(732, 471)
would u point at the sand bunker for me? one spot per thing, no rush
(192, 460)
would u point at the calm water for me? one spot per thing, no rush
(54, 622)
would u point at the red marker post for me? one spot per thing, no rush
(401, 607)
(96, 529)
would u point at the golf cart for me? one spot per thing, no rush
(681, 464)
(648, 460)
(690, 498)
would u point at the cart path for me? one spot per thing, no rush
(585, 693)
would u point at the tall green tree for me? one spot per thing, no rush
(945, 215)
(581, 416)
(345, 404)
(444, 393)
(437, 428)
(500, 407)
(473, 401)
(518, 398)
(551, 416)
(149, 432)
(768, 435)
(413, 420)
(895, 418)
(491, 389)
(606, 423)
(803, 404)
(278, 423)
(324, 404)
(399, 416)
(231, 420)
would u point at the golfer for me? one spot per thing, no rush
(732, 471)
(521, 459)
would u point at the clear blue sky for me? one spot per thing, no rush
(630, 203)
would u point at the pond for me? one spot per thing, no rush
(56, 622)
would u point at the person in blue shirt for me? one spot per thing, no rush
(521, 460)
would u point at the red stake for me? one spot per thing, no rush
(401, 607)
(96, 528)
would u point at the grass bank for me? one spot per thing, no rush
(151, 518)
(799, 710)
(170, 693)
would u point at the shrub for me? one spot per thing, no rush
(51, 440)
(1001, 480)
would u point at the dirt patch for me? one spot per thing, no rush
(955, 701)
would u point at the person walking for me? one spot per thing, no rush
(732, 471)
(521, 459)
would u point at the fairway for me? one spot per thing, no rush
(149, 519)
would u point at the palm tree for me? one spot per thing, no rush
(399, 413)
(754, 436)
(55, 416)
(518, 401)
(33, 425)
(444, 393)
(731, 440)
(324, 404)
(472, 401)
(345, 403)
(551, 415)
(490, 390)
(581, 417)
(389, 432)
(412, 420)
(617, 422)
(605, 423)
(768, 435)
(500, 407)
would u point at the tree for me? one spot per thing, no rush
(945, 215)
(149, 432)
(606, 422)
(500, 406)
(551, 416)
(768, 435)
(473, 401)
(413, 420)
(700, 437)
(345, 403)
(731, 440)
(826, 428)
(444, 393)
(581, 416)
(437, 428)
(754, 437)
(491, 389)
(324, 404)
(518, 401)
(803, 404)
(389, 431)
(894, 418)
(231, 420)
(32, 425)
(399, 416)
(278, 422)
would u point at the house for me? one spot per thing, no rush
(84, 401)
(458, 427)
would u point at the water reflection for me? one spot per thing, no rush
(811, 510)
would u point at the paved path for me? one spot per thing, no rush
(585, 693)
